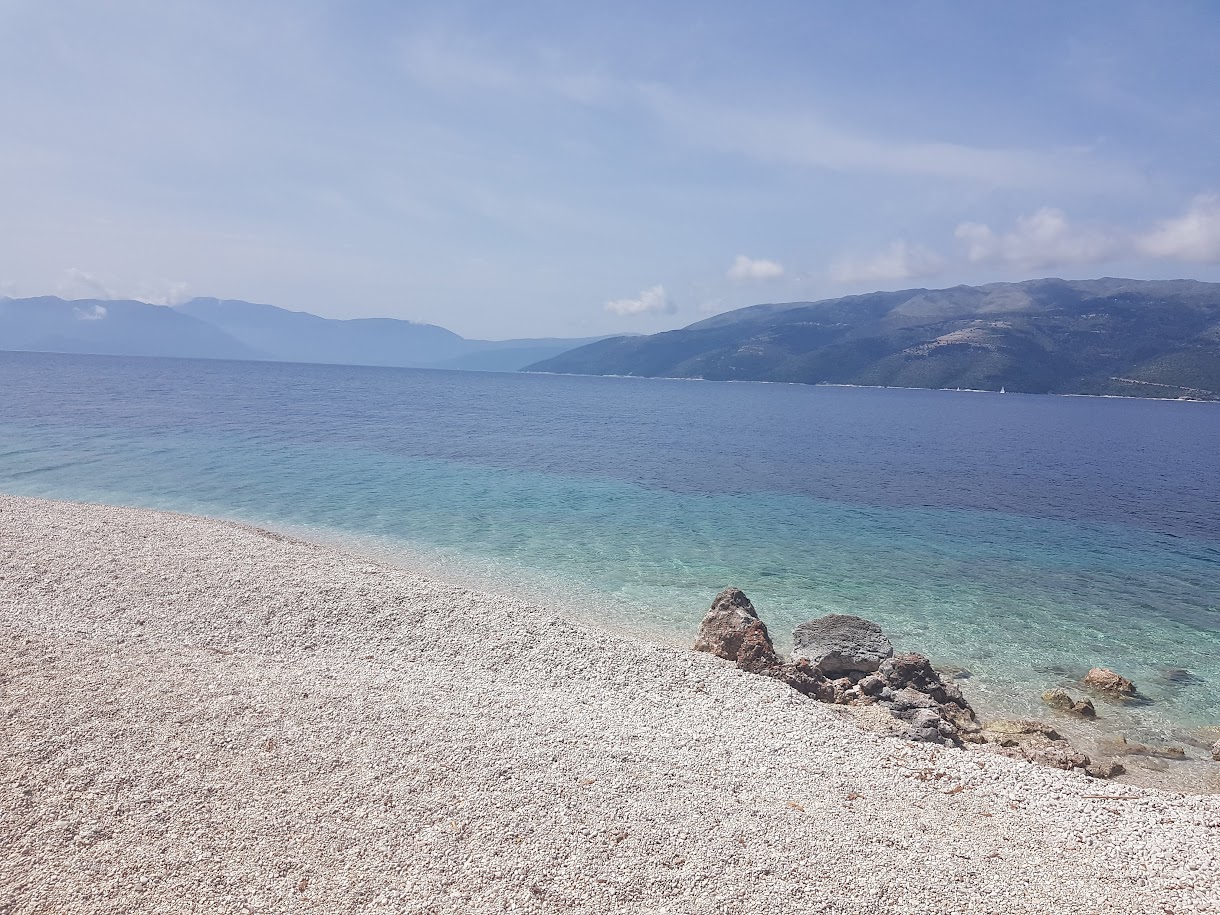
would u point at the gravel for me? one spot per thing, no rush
(204, 717)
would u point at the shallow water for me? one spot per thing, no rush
(1023, 537)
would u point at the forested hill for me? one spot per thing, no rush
(1140, 338)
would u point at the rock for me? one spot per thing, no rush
(1021, 727)
(911, 688)
(1061, 700)
(1108, 683)
(1180, 676)
(755, 652)
(726, 623)
(1035, 741)
(954, 672)
(1121, 746)
(1216, 751)
(836, 644)
(1107, 769)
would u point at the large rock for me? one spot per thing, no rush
(838, 645)
(1108, 683)
(725, 625)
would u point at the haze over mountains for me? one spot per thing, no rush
(231, 329)
(1107, 336)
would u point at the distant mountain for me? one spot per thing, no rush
(1107, 336)
(232, 329)
(116, 328)
(297, 336)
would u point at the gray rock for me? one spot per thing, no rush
(836, 645)
(1216, 751)
(726, 623)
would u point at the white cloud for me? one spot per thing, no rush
(1194, 236)
(91, 313)
(749, 268)
(651, 301)
(900, 261)
(79, 284)
(1045, 239)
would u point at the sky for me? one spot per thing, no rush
(561, 169)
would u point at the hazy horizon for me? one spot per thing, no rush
(545, 171)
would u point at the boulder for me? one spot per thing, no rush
(837, 645)
(1108, 683)
(1061, 700)
(1216, 751)
(726, 623)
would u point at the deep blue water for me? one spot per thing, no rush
(1023, 537)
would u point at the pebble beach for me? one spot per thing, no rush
(200, 716)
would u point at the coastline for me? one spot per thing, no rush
(879, 387)
(202, 715)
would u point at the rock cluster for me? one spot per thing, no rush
(847, 660)
(1106, 682)
(1061, 700)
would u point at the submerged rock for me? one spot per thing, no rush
(1108, 683)
(1038, 742)
(1121, 746)
(837, 644)
(726, 623)
(1061, 700)
(1179, 677)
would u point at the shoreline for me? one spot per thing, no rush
(202, 714)
(881, 387)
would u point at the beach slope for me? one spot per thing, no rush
(197, 716)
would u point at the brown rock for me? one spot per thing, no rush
(756, 653)
(725, 625)
(1021, 727)
(1035, 741)
(1216, 751)
(1108, 683)
(1061, 700)
(1124, 747)
(1107, 769)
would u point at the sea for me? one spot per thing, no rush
(1017, 539)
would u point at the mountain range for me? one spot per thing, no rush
(1108, 336)
(230, 329)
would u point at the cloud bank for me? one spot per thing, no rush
(651, 301)
(1048, 239)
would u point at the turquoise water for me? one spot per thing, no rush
(1023, 538)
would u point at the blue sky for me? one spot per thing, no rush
(570, 169)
